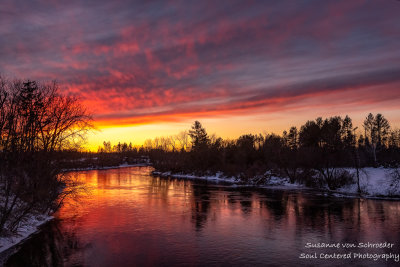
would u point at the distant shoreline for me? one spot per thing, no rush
(279, 183)
(107, 167)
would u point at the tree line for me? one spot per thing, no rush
(316, 154)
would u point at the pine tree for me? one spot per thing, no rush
(382, 128)
(348, 135)
(199, 136)
(293, 138)
(377, 129)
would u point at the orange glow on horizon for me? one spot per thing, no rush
(230, 124)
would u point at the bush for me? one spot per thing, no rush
(338, 178)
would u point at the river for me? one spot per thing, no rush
(127, 217)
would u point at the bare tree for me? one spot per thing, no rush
(35, 122)
(183, 140)
(377, 129)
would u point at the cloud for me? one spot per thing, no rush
(139, 61)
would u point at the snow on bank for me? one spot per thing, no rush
(31, 223)
(272, 182)
(374, 183)
(107, 167)
(27, 227)
(218, 177)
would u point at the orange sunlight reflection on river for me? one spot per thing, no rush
(128, 217)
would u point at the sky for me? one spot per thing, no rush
(151, 68)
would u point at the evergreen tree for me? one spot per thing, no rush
(199, 136)
(377, 129)
(369, 129)
(348, 136)
(382, 129)
(293, 138)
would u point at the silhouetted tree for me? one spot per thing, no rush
(310, 133)
(36, 121)
(348, 136)
(316, 155)
(376, 133)
(199, 136)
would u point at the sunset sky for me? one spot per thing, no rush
(150, 68)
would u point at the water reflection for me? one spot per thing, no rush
(200, 206)
(130, 218)
(54, 246)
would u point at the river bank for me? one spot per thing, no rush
(33, 222)
(374, 183)
(29, 226)
(134, 219)
(123, 165)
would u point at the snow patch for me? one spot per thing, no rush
(374, 183)
(27, 227)
(123, 165)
